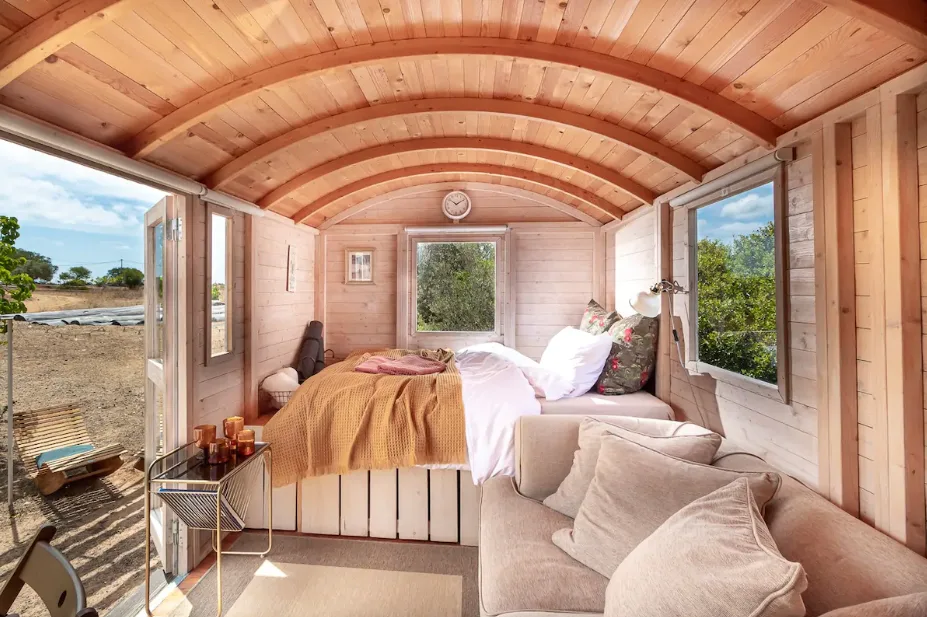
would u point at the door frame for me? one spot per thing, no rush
(178, 385)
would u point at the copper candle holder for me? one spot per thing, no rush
(246, 442)
(232, 426)
(219, 451)
(203, 435)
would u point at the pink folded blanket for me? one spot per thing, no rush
(406, 365)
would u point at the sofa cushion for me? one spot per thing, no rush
(520, 569)
(682, 440)
(724, 564)
(847, 561)
(912, 605)
(635, 490)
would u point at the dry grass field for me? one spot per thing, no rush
(48, 298)
(100, 523)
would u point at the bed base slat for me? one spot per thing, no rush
(409, 504)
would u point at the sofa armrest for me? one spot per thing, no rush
(544, 447)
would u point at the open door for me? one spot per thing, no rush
(161, 361)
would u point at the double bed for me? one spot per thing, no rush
(413, 490)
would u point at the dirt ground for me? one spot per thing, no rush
(100, 523)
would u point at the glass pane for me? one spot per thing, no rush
(737, 284)
(158, 239)
(220, 287)
(456, 287)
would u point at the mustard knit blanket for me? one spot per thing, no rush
(340, 420)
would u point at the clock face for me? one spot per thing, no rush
(456, 205)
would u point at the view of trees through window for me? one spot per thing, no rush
(456, 286)
(737, 284)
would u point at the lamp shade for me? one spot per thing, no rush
(647, 303)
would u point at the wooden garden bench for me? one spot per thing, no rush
(59, 436)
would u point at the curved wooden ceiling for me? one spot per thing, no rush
(294, 103)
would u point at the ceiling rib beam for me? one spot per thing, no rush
(423, 184)
(903, 19)
(640, 143)
(621, 183)
(745, 121)
(55, 30)
(479, 169)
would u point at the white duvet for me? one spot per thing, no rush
(495, 394)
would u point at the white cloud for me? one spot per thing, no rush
(728, 231)
(748, 206)
(46, 191)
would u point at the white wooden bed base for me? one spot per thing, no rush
(438, 505)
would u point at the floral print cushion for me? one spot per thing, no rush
(596, 320)
(631, 361)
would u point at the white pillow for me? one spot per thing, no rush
(280, 386)
(546, 383)
(578, 357)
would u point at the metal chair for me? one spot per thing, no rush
(43, 568)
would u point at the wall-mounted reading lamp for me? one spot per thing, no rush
(649, 303)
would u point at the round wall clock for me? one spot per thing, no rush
(456, 205)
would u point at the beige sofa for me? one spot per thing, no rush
(523, 574)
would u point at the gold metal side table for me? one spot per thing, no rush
(208, 497)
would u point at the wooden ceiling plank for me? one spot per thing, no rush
(462, 168)
(638, 142)
(905, 20)
(55, 30)
(748, 122)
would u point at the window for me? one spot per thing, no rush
(455, 286)
(738, 293)
(219, 279)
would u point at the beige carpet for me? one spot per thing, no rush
(296, 590)
(310, 576)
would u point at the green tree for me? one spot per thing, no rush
(737, 304)
(15, 287)
(132, 278)
(456, 286)
(75, 276)
(38, 267)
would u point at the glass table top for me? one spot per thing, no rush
(189, 465)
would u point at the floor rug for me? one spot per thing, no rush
(340, 577)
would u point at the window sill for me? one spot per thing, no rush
(768, 390)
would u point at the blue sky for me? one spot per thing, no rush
(75, 215)
(737, 215)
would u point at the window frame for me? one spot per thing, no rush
(781, 390)
(497, 333)
(228, 214)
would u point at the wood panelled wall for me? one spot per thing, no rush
(277, 316)
(554, 279)
(751, 415)
(218, 387)
(553, 274)
(862, 259)
(552, 265)
(857, 273)
(922, 219)
(359, 316)
(633, 249)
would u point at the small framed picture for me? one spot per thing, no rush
(358, 266)
(291, 266)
